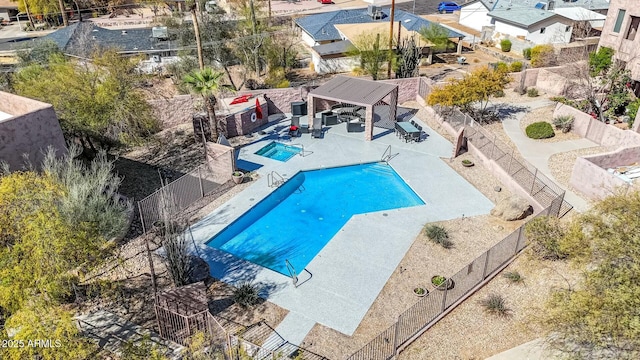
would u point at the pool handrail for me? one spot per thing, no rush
(294, 275)
(292, 272)
(274, 179)
(387, 155)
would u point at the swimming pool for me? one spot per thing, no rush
(299, 218)
(278, 151)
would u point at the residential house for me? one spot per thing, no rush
(534, 22)
(620, 33)
(331, 35)
(81, 38)
(8, 10)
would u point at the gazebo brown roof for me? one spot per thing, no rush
(355, 91)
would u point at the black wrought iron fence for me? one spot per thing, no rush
(425, 313)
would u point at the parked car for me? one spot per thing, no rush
(325, 1)
(448, 6)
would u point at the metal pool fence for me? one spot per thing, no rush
(181, 192)
(538, 185)
(417, 319)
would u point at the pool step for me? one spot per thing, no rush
(380, 169)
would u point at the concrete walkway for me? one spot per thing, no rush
(538, 154)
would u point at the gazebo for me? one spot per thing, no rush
(359, 92)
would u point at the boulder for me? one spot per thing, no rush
(512, 208)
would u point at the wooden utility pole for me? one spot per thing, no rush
(254, 28)
(393, 8)
(65, 19)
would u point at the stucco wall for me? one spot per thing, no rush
(221, 162)
(555, 31)
(474, 16)
(407, 88)
(32, 129)
(173, 111)
(504, 177)
(530, 80)
(551, 82)
(241, 124)
(332, 65)
(597, 131)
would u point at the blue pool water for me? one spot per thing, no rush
(300, 217)
(277, 151)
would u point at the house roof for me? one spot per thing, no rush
(521, 17)
(338, 47)
(352, 31)
(503, 4)
(80, 38)
(580, 14)
(321, 27)
(353, 90)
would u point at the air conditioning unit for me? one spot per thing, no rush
(299, 108)
(156, 58)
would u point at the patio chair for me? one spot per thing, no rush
(317, 128)
(295, 121)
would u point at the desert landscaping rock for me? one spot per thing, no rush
(512, 208)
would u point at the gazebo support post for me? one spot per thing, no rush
(368, 123)
(311, 110)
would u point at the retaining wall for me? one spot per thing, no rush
(590, 175)
(588, 127)
(173, 111)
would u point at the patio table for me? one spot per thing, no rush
(407, 130)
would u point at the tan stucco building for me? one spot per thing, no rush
(27, 128)
(620, 33)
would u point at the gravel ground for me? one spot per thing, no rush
(546, 114)
(469, 332)
(561, 165)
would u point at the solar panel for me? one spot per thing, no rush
(540, 5)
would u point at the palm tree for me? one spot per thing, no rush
(207, 83)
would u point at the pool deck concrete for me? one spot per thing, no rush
(340, 284)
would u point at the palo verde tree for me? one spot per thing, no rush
(600, 317)
(54, 228)
(207, 83)
(100, 105)
(371, 50)
(438, 38)
(471, 93)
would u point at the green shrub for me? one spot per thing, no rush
(438, 235)
(516, 66)
(632, 110)
(499, 94)
(532, 92)
(513, 276)
(438, 280)
(502, 66)
(543, 55)
(600, 61)
(540, 130)
(246, 294)
(544, 235)
(526, 53)
(505, 45)
(563, 122)
(495, 304)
